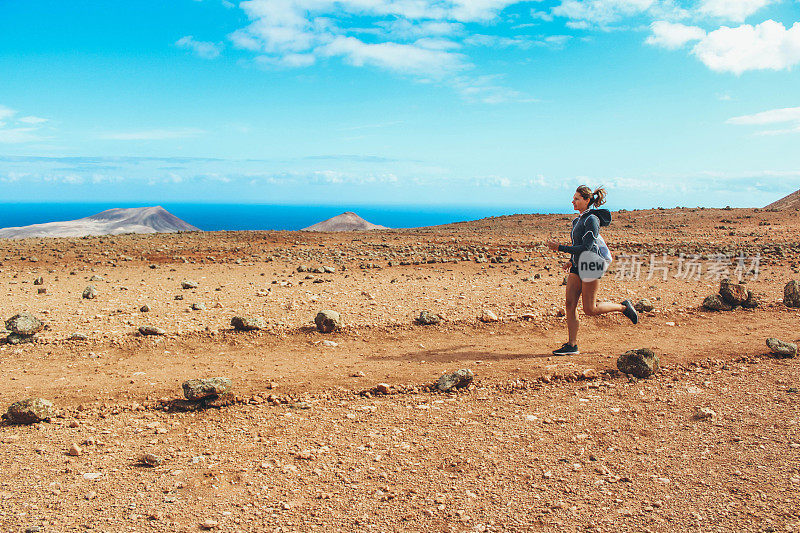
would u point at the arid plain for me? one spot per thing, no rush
(344, 432)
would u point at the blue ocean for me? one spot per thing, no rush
(216, 217)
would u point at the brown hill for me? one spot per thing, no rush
(790, 201)
(347, 221)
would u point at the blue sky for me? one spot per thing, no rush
(474, 102)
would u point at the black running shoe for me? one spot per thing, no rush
(630, 312)
(567, 349)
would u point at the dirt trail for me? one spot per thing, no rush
(301, 363)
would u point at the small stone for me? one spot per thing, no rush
(30, 411)
(643, 306)
(327, 321)
(716, 303)
(641, 363)
(426, 318)
(151, 330)
(782, 348)
(209, 524)
(78, 337)
(455, 380)
(95, 277)
(90, 292)
(733, 294)
(383, 388)
(489, 316)
(198, 306)
(145, 308)
(24, 324)
(791, 294)
(15, 338)
(704, 413)
(74, 450)
(251, 323)
(151, 459)
(188, 284)
(197, 389)
(38, 281)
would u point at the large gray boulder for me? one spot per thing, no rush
(24, 324)
(782, 348)
(247, 323)
(641, 363)
(30, 411)
(791, 294)
(198, 389)
(327, 321)
(455, 380)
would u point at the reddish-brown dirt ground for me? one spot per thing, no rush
(537, 443)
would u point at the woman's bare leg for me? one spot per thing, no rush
(590, 305)
(574, 289)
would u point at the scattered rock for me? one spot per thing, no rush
(426, 318)
(733, 294)
(704, 413)
(78, 337)
(151, 459)
(455, 380)
(197, 389)
(782, 348)
(24, 324)
(643, 306)
(188, 284)
(247, 323)
(198, 306)
(96, 278)
(489, 316)
(791, 294)
(74, 450)
(151, 330)
(383, 388)
(327, 321)
(38, 281)
(716, 303)
(208, 524)
(15, 338)
(90, 292)
(30, 411)
(145, 308)
(641, 363)
(753, 301)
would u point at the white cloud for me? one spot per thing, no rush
(18, 135)
(672, 35)
(204, 49)
(15, 130)
(401, 58)
(32, 120)
(601, 12)
(765, 46)
(152, 135)
(773, 116)
(6, 113)
(734, 10)
(419, 38)
(786, 115)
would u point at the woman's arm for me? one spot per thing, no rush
(592, 227)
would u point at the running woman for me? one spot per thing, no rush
(583, 280)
